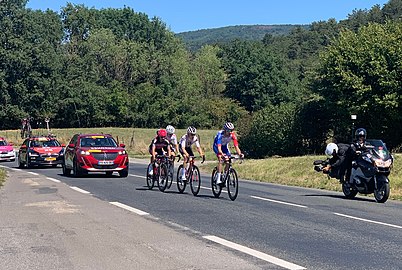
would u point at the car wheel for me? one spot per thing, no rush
(123, 173)
(76, 169)
(66, 171)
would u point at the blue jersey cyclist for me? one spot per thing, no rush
(221, 149)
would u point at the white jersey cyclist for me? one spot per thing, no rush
(172, 138)
(186, 142)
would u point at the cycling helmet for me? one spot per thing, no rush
(162, 133)
(360, 132)
(191, 130)
(228, 126)
(331, 147)
(170, 129)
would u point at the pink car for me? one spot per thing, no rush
(6, 150)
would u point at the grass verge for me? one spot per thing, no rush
(298, 171)
(3, 175)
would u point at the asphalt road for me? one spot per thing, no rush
(268, 225)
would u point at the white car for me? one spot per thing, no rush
(7, 152)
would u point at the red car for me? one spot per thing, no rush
(40, 150)
(95, 153)
(6, 150)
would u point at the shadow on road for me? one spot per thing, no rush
(340, 197)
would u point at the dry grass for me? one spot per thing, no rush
(136, 140)
(3, 175)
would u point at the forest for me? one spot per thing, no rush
(287, 94)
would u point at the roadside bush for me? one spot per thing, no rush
(271, 132)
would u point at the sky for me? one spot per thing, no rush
(191, 15)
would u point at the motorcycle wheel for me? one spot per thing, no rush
(348, 191)
(381, 194)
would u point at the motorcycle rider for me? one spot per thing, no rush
(340, 161)
(360, 144)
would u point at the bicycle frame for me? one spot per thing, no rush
(160, 172)
(193, 177)
(230, 180)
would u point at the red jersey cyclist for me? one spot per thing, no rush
(186, 142)
(160, 146)
(221, 149)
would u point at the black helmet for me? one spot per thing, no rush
(360, 132)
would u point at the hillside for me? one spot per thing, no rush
(196, 39)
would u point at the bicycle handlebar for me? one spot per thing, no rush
(194, 157)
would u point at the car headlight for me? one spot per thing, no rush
(33, 154)
(84, 153)
(123, 152)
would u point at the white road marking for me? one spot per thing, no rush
(14, 169)
(52, 179)
(80, 190)
(371, 221)
(140, 176)
(33, 173)
(274, 201)
(254, 253)
(129, 208)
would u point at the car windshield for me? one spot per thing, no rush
(47, 143)
(3, 143)
(98, 142)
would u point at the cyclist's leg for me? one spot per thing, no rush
(184, 163)
(189, 150)
(226, 153)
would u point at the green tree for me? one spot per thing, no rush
(256, 77)
(361, 73)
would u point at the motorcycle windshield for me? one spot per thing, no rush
(379, 149)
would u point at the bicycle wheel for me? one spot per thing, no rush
(232, 184)
(150, 178)
(195, 180)
(216, 189)
(162, 177)
(181, 185)
(170, 167)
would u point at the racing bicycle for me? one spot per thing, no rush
(229, 179)
(193, 177)
(160, 172)
(170, 167)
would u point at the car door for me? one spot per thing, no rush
(70, 151)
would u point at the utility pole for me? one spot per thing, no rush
(353, 117)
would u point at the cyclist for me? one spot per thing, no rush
(160, 146)
(172, 138)
(186, 142)
(221, 149)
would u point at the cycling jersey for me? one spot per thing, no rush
(186, 141)
(160, 146)
(223, 141)
(172, 139)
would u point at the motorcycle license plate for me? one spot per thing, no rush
(50, 158)
(105, 162)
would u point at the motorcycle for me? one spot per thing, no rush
(369, 174)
